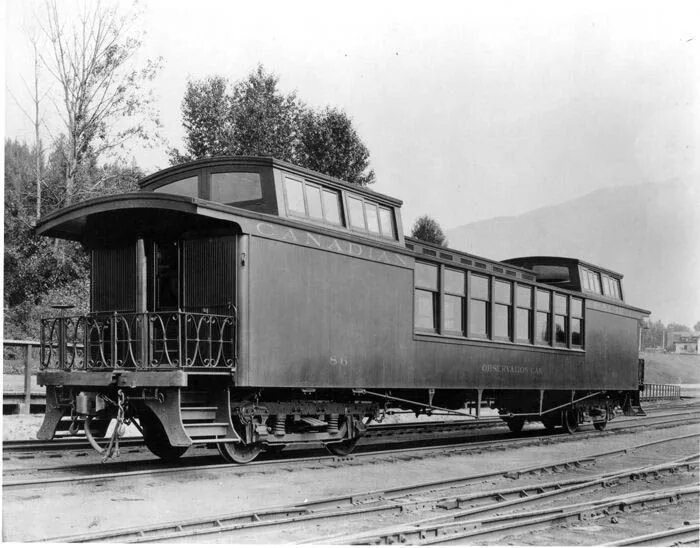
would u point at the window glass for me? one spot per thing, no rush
(617, 288)
(372, 218)
(425, 309)
(229, 188)
(523, 324)
(502, 292)
(357, 218)
(387, 223)
(426, 276)
(576, 307)
(184, 187)
(295, 195)
(501, 321)
(477, 318)
(524, 296)
(560, 304)
(543, 300)
(585, 280)
(560, 334)
(576, 332)
(596, 283)
(542, 327)
(331, 206)
(479, 287)
(313, 199)
(454, 282)
(453, 313)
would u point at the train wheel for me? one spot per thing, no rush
(156, 440)
(569, 420)
(240, 453)
(342, 448)
(516, 424)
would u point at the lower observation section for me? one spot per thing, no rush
(176, 409)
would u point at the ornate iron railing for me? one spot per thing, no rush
(144, 340)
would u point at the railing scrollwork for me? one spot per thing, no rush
(147, 340)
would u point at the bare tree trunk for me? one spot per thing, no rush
(38, 152)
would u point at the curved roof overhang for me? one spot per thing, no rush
(138, 213)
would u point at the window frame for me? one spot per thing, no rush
(205, 184)
(378, 207)
(537, 340)
(488, 301)
(509, 310)
(462, 298)
(436, 297)
(529, 308)
(307, 211)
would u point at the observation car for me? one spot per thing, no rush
(250, 303)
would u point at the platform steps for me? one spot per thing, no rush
(206, 416)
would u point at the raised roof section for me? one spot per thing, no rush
(573, 274)
(274, 187)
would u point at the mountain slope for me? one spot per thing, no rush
(650, 233)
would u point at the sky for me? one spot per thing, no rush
(470, 110)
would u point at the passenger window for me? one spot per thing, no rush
(387, 223)
(503, 310)
(576, 322)
(561, 320)
(523, 320)
(426, 296)
(313, 199)
(478, 305)
(542, 317)
(295, 195)
(357, 217)
(372, 217)
(184, 187)
(234, 187)
(331, 206)
(454, 301)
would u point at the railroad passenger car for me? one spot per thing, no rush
(249, 303)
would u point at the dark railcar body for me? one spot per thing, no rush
(249, 303)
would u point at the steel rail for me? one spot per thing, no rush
(459, 447)
(565, 514)
(670, 537)
(419, 529)
(334, 507)
(375, 431)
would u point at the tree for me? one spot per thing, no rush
(428, 230)
(104, 102)
(253, 117)
(677, 327)
(330, 144)
(696, 327)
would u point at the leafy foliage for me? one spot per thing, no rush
(40, 271)
(104, 102)
(255, 118)
(330, 144)
(427, 229)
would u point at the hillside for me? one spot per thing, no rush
(663, 368)
(650, 233)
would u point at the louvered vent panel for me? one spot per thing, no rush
(113, 280)
(209, 274)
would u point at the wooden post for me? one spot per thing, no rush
(142, 296)
(27, 380)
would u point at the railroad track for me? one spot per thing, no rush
(376, 433)
(454, 506)
(490, 443)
